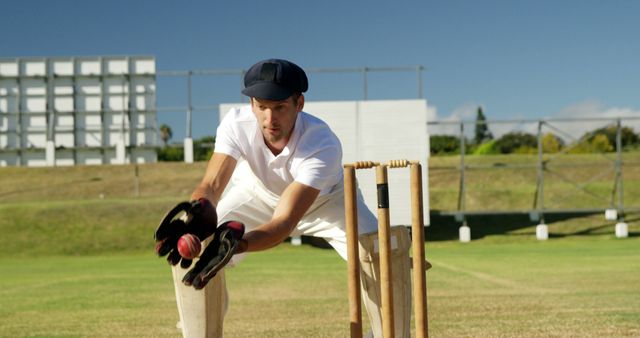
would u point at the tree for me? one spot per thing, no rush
(600, 143)
(203, 148)
(628, 137)
(516, 142)
(165, 134)
(171, 154)
(551, 143)
(487, 148)
(444, 144)
(482, 133)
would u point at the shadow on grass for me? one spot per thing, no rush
(517, 224)
(596, 230)
(445, 227)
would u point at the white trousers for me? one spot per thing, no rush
(248, 201)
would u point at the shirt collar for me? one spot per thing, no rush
(290, 146)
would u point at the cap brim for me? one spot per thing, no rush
(267, 91)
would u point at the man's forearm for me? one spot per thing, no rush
(268, 235)
(205, 191)
(294, 203)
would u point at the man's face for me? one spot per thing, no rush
(277, 119)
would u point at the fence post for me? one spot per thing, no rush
(188, 141)
(419, 70)
(464, 233)
(622, 229)
(461, 196)
(619, 168)
(365, 83)
(542, 230)
(136, 182)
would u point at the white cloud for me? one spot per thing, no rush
(448, 125)
(432, 113)
(500, 128)
(569, 123)
(587, 108)
(589, 115)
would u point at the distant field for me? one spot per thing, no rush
(155, 180)
(494, 186)
(508, 182)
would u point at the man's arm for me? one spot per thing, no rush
(216, 178)
(294, 203)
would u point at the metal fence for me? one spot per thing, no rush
(552, 171)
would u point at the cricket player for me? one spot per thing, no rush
(280, 169)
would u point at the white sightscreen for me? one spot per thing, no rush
(379, 131)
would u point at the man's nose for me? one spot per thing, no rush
(268, 116)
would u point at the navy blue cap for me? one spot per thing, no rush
(274, 79)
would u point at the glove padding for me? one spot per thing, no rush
(200, 220)
(225, 243)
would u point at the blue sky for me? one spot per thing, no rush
(516, 59)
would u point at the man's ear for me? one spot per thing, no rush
(300, 104)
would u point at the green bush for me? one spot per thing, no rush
(203, 148)
(551, 143)
(516, 141)
(171, 154)
(598, 143)
(629, 138)
(444, 144)
(486, 148)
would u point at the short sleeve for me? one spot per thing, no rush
(227, 138)
(321, 169)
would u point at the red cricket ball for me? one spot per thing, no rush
(189, 246)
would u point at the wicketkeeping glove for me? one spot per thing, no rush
(227, 241)
(195, 217)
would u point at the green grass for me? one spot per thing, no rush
(80, 227)
(76, 260)
(578, 287)
(582, 287)
(168, 179)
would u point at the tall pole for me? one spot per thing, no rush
(461, 197)
(190, 103)
(365, 84)
(619, 169)
(50, 147)
(540, 204)
(419, 70)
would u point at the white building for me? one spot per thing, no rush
(77, 110)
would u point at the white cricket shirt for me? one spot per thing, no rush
(312, 157)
